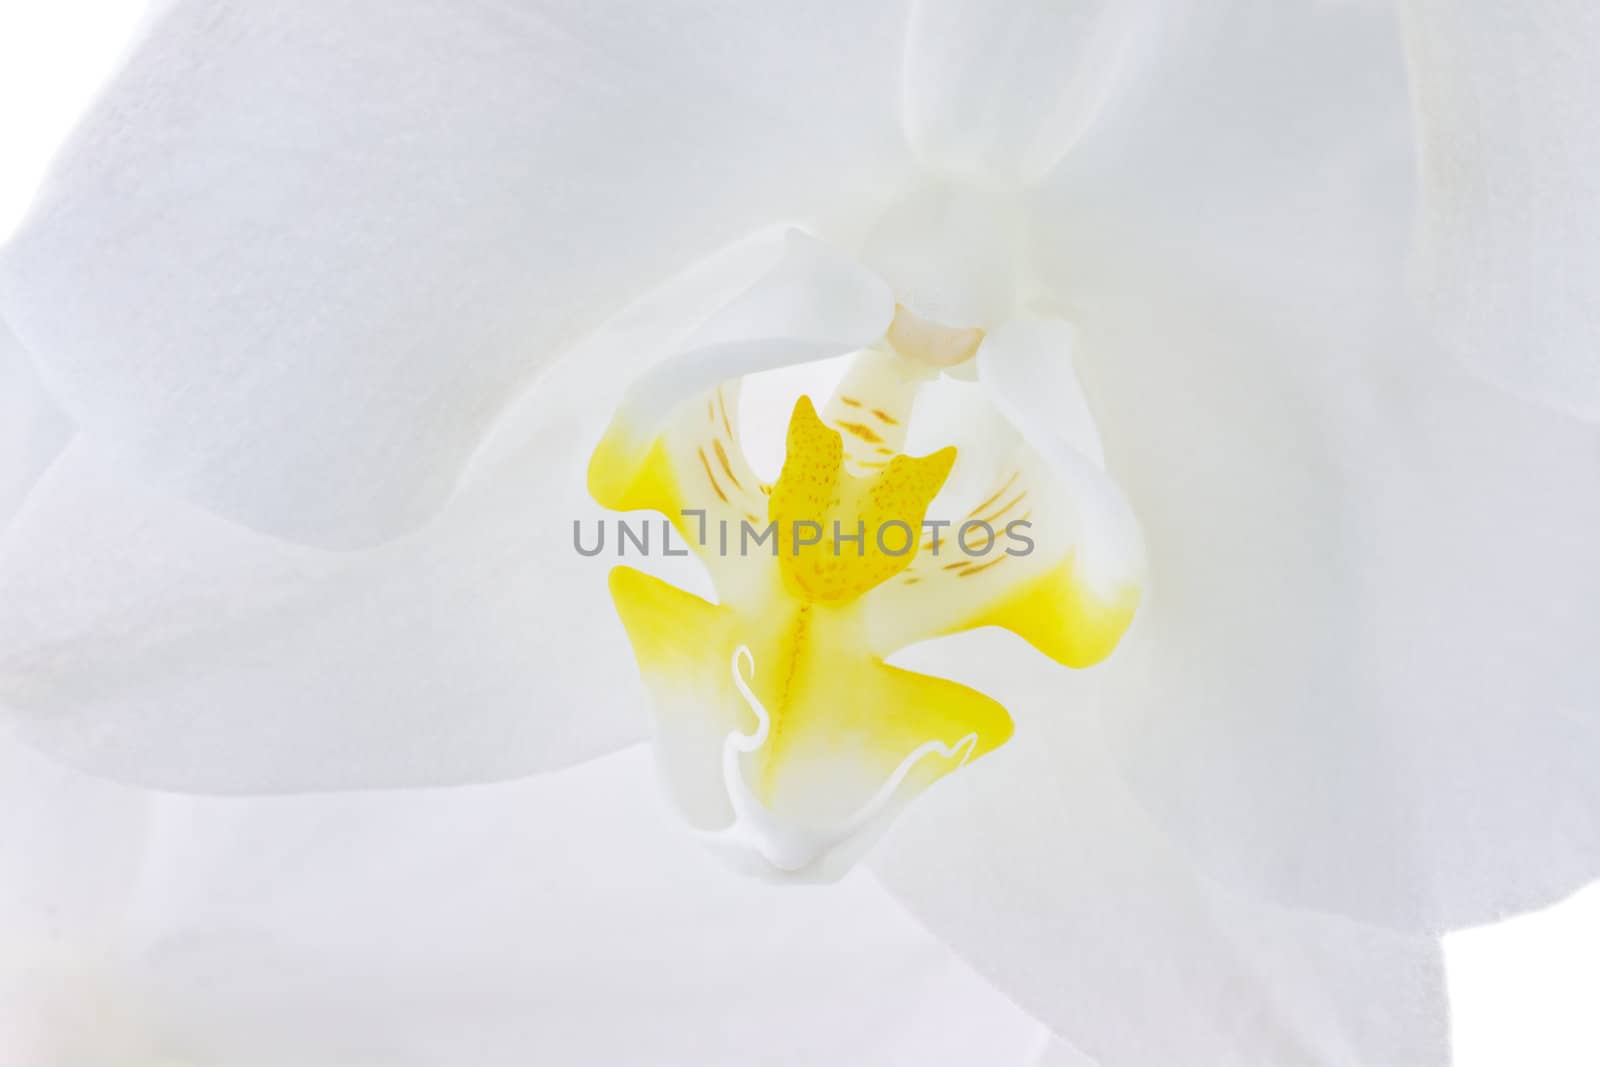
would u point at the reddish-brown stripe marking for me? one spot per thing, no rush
(997, 494)
(712, 478)
(1013, 502)
(863, 431)
(980, 568)
(727, 467)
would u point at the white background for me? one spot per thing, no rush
(1524, 992)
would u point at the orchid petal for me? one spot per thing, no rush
(1042, 870)
(162, 645)
(1363, 671)
(1001, 92)
(146, 639)
(1509, 251)
(559, 920)
(32, 430)
(1074, 591)
(1059, 1053)
(327, 241)
(71, 850)
(1368, 670)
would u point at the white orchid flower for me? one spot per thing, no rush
(332, 298)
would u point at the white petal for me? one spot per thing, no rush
(156, 643)
(152, 641)
(999, 93)
(301, 254)
(1026, 368)
(813, 304)
(561, 920)
(1362, 679)
(1042, 870)
(1506, 101)
(1248, 152)
(32, 430)
(69, 847)
(1058, 1053)
(70, 857)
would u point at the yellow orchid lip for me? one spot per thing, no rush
(780, 725)
(815, 489)
(818, 696)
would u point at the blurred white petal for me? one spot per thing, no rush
(152, 641)
(32, 429)
(70, 847)
(558, 920)
(1058, 1053)
(70, 856)
(1509, 237)
(1042, 870)
(1363, 680)
(951, 252)
(326, 241)
(1000, 92)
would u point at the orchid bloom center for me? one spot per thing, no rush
(852, 517)
(783, 730)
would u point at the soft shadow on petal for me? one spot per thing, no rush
(32, 430)
(1362, 681)
(561, 920)
(301, 254)
(149, 640)
(1042, 870)
(1507, 105)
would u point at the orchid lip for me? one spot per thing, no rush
(785, 846)
(802, 761)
